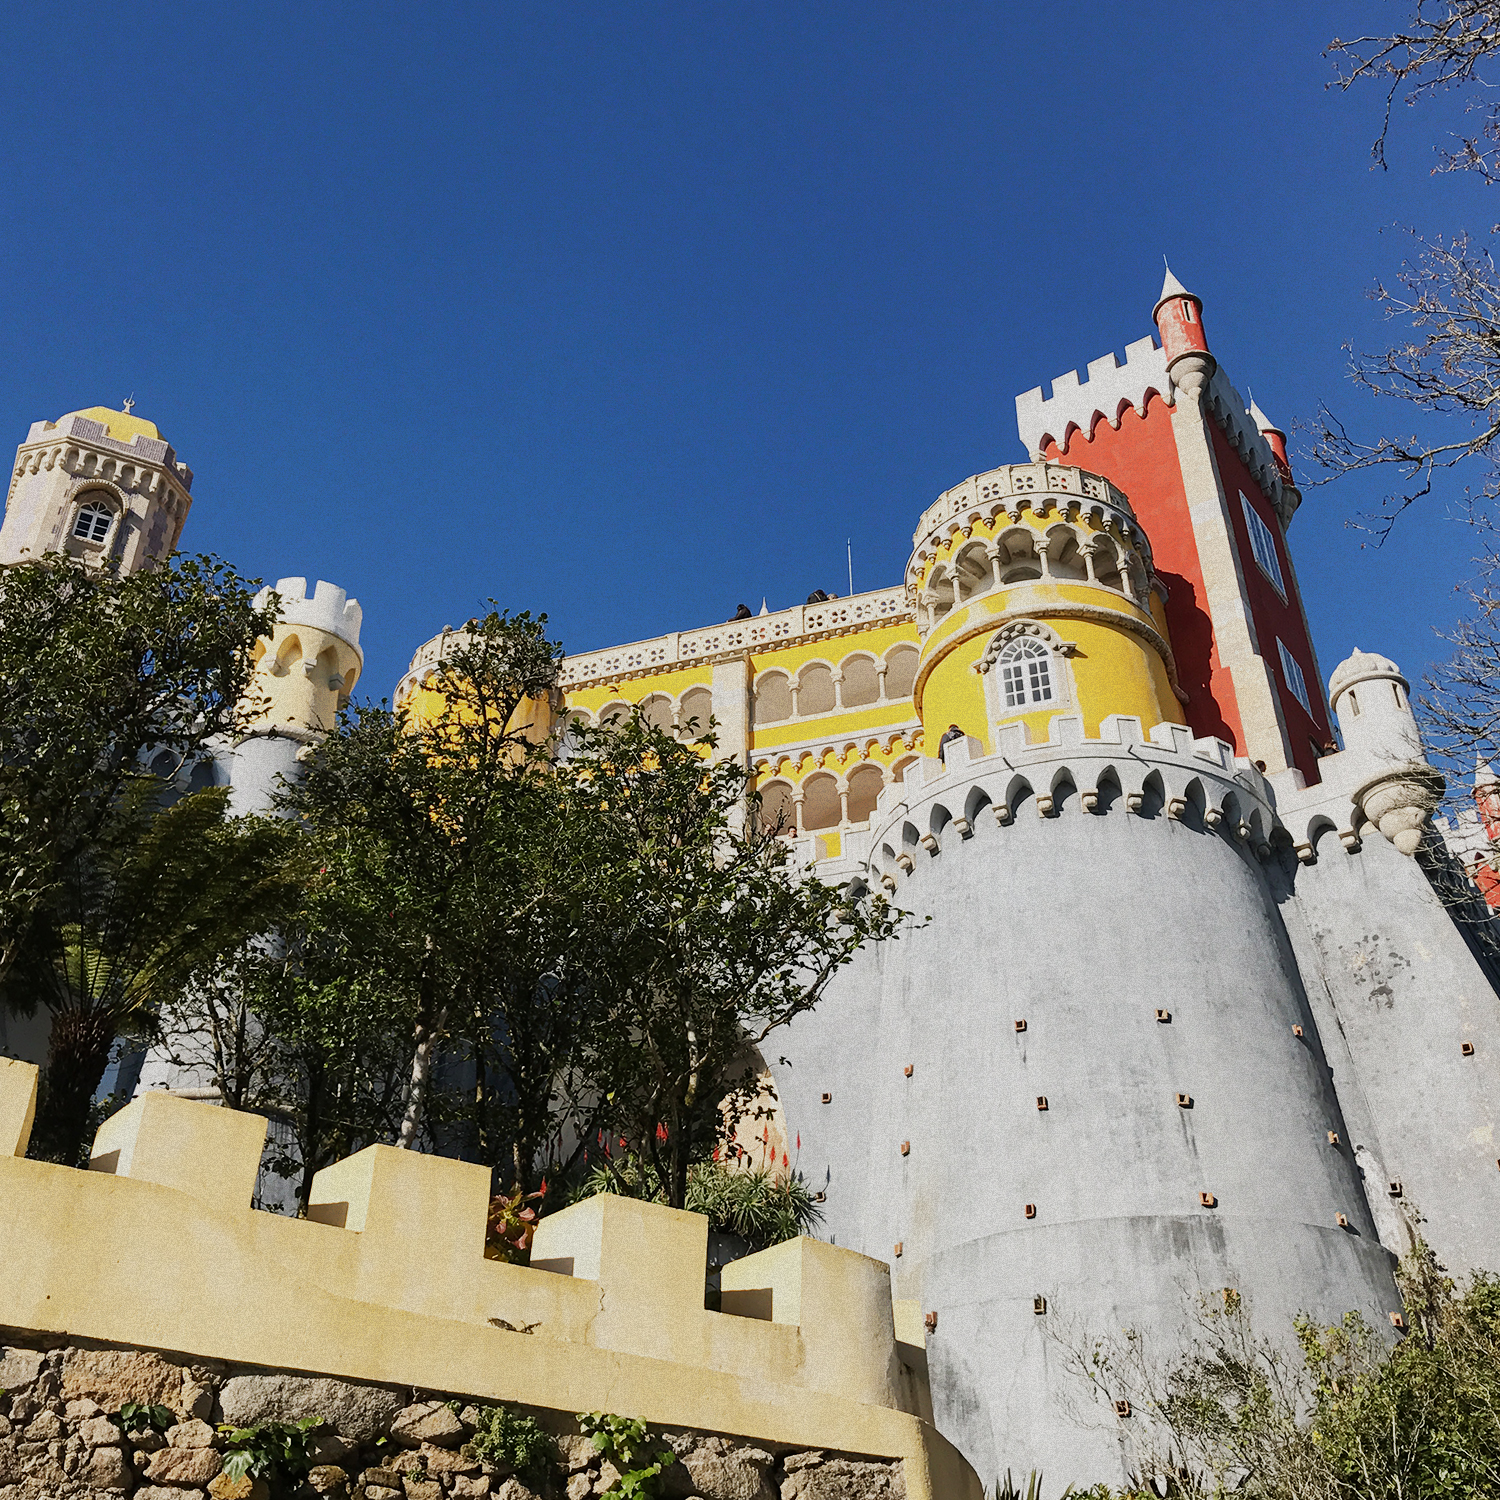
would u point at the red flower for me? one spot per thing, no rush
(784, 1161)
(799, 1140)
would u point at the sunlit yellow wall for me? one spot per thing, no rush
(593, 696)
(1115, 670)
(534, 718)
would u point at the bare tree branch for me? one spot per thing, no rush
(1442, 50)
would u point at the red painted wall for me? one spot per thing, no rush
(1141, 458)
(1273, 616)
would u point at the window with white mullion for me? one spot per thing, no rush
(1291, 671)
(1263, 545)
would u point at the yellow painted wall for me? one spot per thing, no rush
(386, 1280)
(1113, 672)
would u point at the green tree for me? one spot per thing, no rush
(418, 823)
(98, 673)
(712, 941)
(136, 916)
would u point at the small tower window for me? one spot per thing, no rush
(1187, 311)
(1026, 673)
(1263, 545)
(93, 521)
(1295, 681)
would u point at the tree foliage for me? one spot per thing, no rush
(713, 940)
(416, 821)
(138, 915)
(98, 673)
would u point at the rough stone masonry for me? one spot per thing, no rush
(63, 1437)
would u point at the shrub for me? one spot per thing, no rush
(506, 1438)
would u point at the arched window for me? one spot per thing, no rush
(93, 521)
(1026, 673)
(861, 685)
(815, 691)
(773, 698)
(695, 710)
(820, 802)
(657, 712)
(865, 785)
(776, 808)
(900, 672)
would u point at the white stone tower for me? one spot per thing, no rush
(98, 484)
(304, 674)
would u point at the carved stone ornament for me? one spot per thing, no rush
(1400, 801)
(1014, 630)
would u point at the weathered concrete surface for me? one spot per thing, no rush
(1397, 991)
(1082, 925)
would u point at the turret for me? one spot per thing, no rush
(1399, 789)
(1036, 596)
(1487, 797)
(304, 674)
(1178, 316)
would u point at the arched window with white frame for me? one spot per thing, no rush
(93, 521)
(1026, 673)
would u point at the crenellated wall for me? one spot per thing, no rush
(156, 1247)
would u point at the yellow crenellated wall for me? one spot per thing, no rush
(386, 1280)
(303, 675)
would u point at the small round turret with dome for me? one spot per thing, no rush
(1371, 699)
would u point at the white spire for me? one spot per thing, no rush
(1171, 287)
(1262, 422)
(1172, 290)
(763, 608)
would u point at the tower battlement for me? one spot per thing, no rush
(1112, 389)
(328, 608)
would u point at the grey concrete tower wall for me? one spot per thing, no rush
(1398, 992)
(260, 766)
(1142, 889)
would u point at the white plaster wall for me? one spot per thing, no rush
(1082, 925)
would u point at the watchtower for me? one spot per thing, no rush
(304, 674)
(99, 484)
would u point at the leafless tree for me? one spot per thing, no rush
(1448, 292)
(1441, 51)
(1446, 366)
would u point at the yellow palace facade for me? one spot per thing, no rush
(1030, 592)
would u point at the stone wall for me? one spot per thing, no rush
(62, 1437)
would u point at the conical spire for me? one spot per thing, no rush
(763, 608)
(1262, 422)
(1172, 290)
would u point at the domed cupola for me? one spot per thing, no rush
(1036, 595)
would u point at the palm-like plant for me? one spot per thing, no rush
(137, 916)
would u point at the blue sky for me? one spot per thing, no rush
(631, 313)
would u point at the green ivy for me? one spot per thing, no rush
(504, 1437)
(623, 1440)
(278, 1452)
(137, 1416)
